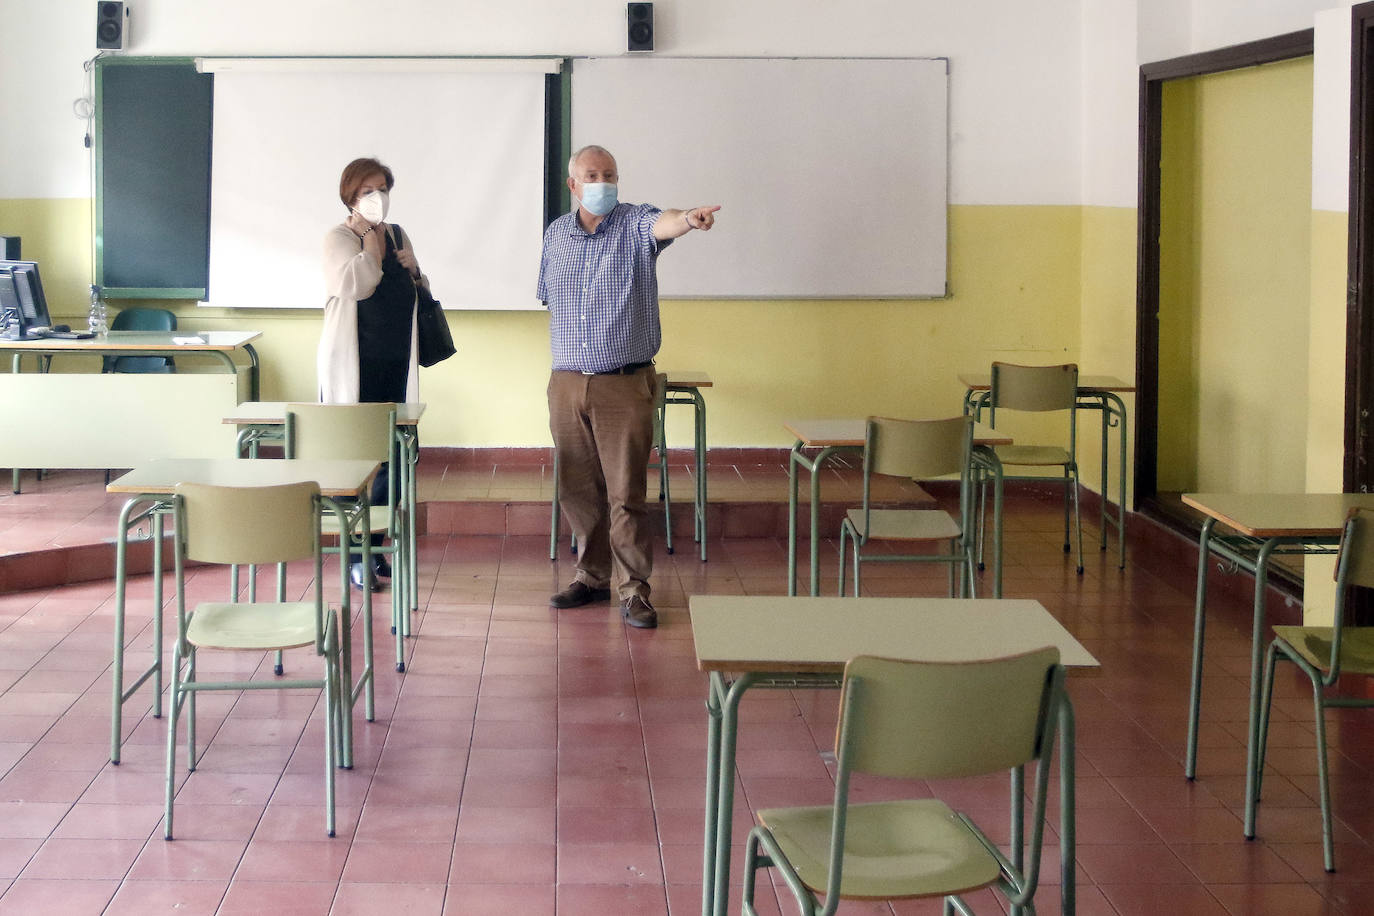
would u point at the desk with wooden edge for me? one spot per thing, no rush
(93, 420)
(149, 485)
(1265, 525)
(804, 643)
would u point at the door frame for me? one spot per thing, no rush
(1153, 76)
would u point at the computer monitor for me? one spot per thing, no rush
(22, 304)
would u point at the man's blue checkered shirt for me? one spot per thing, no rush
(602, 289)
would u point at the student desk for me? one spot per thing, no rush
(94, 420)
(1265, 525)
(835, 436)
(150, 485)
(260, 421)
(805, 642)
(683, 387)
(1095, 392)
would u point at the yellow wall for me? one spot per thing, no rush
(1235, 280)
(1014, 274)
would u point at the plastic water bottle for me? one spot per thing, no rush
(95, 318)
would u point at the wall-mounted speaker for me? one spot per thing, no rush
(9, 247)
(639, 23)
(111, 26)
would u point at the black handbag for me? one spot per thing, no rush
(431, 329)
(434, 338)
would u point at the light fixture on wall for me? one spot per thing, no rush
(111, 26)
(639, 23)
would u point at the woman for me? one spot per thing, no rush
(367, 346)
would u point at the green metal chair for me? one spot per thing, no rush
(920, 720)
(141, 319)
(1037, 389)
(919, 450)
(250, 525)
(367, 432)
(1324, 654)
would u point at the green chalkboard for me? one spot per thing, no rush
(152, 160)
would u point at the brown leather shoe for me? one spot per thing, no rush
(639, 613)
(578, 594)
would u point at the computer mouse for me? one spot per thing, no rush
(61, 328)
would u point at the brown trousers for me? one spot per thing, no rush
(603, 427)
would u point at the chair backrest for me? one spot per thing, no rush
(1037, 388)
(141, 319)
(918, 449)
(939, 720)
(355, 431)
(1355, 565)
(248, 525)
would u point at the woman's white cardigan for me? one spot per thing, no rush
(351, 274)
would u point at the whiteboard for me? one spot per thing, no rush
(465, 140)
(832, 175)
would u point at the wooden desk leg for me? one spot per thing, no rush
(1199, 632)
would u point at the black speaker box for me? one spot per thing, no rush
(9, 247)
(111, 26)
(639, 22)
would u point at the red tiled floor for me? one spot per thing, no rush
(537, 762)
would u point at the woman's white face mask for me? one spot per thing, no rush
(373, 206)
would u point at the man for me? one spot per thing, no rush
(597, 278)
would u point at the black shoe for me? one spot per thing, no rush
(355, 575)
(380, 567)
(578, 594)
(639, 613)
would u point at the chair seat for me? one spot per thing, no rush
(1036, 455)
(381, 522)
(915, 848)
(262, 626)
(1313, 644)
(906, 524)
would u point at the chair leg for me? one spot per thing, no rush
(331, 703)
(173, 713)
(1323, 779)
(982, 510)
(844, 530)
(190, 699)
(1077, 520)
(1262, 727)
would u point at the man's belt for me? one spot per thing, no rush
(627, 369)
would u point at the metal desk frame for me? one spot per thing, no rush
(1265, 526)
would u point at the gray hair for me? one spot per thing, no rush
(589, 148)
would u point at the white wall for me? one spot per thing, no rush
(1110, 90)
(1015, 72)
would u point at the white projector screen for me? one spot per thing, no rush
(831, 174)
(465, 140)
